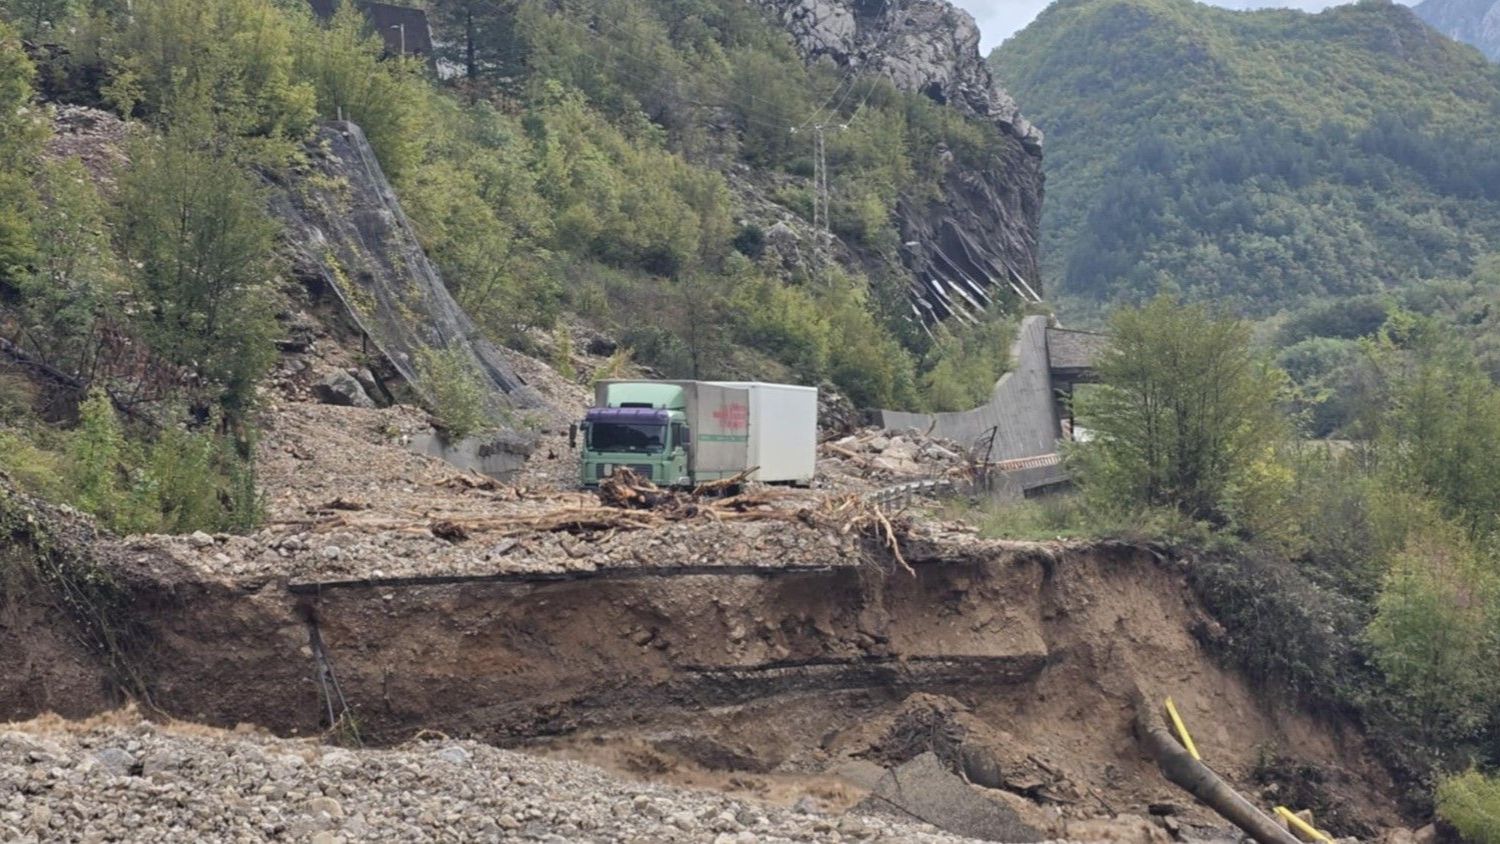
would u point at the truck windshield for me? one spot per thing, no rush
(626, 436)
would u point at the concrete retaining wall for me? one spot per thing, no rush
(1021, 407)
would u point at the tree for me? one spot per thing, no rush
(1471, 803)
(204, 250)
(38, 17)
(20, 137)
(173, 59)
(1436, 631)
(480, 35)
(1440, 426)
(68, 294)
(1186, 414)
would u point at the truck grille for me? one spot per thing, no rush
(604, 470)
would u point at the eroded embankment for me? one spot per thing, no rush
(1023, 657)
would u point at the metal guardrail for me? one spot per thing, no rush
(1020, 463)
(904, 492)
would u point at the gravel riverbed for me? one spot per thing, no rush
(121, 779)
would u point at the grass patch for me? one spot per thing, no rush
(1072, 516)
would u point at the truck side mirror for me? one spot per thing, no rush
(573, 435)
(687, 436)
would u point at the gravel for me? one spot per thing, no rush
(119, 778)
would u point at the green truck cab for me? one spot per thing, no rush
(641, 426)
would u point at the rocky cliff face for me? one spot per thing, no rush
(979, 241)
(1474, 22)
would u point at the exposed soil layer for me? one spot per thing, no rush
(1014, 662)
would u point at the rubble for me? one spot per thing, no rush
(878, 455)
(95, 138)
(122, 777)
(343, 478)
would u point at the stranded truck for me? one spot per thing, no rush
(682, 433)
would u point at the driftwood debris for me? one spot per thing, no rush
(627, 502)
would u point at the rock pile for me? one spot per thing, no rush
(132, 780)
(880, 455)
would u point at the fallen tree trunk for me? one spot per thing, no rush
(1181, 769)
(23, 359)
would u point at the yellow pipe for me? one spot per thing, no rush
(1182, 733)
(1300, 825)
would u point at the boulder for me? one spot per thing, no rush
(901, 450)
(370, 384)
(783, 247)
(342, 389)
(836, 414)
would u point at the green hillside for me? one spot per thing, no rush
(624, 168)
(1256, 158)
(618, 163)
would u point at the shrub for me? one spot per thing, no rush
(1471, 803)
(454, 390)
(36, 470)
(198, 481)
(961, 368)
(96, 459)
(562, 353)
(181, 482)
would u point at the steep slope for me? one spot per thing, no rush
(980, 232)
(1256, 157)
(1474, 22)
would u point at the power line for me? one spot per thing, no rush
(842, 92)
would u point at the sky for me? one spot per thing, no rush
(998, 19)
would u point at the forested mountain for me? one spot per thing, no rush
(1474, 22)
(1256, 158)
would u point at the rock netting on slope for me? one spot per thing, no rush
(142, 782)
(345, 229)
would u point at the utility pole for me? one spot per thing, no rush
(402, 28)
(821, 217)
(822, 220)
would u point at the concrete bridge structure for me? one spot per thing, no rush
(1019, 427)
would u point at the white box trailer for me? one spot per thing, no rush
(783, 432)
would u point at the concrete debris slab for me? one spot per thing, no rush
(926, 790)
